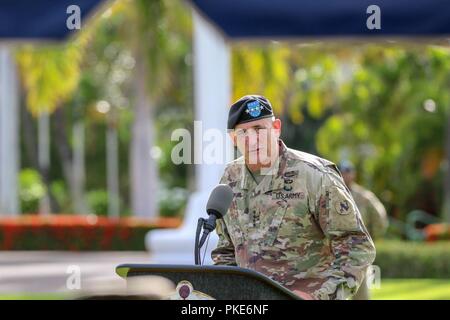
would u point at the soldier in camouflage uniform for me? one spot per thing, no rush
(372, 212)
(292, 218)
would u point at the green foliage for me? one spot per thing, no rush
(98, 201)
(391, 123)
(400, 259)
(50, 74)
(172, 201)
(59, 191)
(31, 190)
(381, 106)
(259, 70)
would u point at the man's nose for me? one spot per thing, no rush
(251, 139)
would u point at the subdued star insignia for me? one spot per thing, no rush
(343, 207)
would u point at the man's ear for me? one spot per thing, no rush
(277, 126)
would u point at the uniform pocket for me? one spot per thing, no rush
(274, 225)
(233, 222)
(234, 231)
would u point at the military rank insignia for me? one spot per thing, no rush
(254, 108)
(288, 180)
(287, 187)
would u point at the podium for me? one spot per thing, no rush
(216, 282)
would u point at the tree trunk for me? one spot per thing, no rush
(112, 164)
(142, 165)
(65, 153)
(29, 138)
(44, 159)
(79, 168)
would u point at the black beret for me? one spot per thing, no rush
(249, 108)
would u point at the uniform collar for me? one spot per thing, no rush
(273, 181)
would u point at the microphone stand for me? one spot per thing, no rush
(198, 245)
(208, 226)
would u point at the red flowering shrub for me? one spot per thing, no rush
(77, 232)
(438, 231)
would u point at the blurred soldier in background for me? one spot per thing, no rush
(372, 211)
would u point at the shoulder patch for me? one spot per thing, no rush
(342, 206)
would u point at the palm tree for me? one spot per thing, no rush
(152, 25)
(50, 75)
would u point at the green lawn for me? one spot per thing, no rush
(412, 289)
(391, 289)
(32, 296)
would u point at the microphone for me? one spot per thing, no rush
(217, 206)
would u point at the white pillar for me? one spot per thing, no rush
(212, 98)
(9, 133)
(212, 92)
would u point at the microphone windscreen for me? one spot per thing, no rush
(220, 200)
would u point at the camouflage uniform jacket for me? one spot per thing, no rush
(299, 226)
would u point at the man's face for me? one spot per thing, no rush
(349, 176)
(257, 141)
